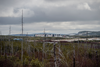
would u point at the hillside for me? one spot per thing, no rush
(90, 33)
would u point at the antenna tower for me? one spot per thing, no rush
(22, 39)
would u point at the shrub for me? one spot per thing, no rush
(26, 62)
(36, 63)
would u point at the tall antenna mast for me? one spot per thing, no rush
(9, 33)
(9, 30)
(44, 30)
(44, 35)
(22, 39)
(22, 22)
(0, 33)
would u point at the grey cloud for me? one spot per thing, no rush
(54, 0)
(10, 20)
(86, 23)
(95, 5)
(54, 14)
(15, 10)
(8, 3)
(50, 11)
(63, 14)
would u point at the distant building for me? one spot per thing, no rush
(48, 35)
(18, 39)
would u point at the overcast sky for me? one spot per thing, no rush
(56, 16)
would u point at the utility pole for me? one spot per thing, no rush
(12, 48)
(11, 44)
(1, 43)
(43, 52)
(74, 55)
(78, 40)
(5, 46)
(78, 46)
(34, 45)
(86, 37)
(22, 40)
(9, 39)
(28, 49)
(86, 42)
(9, 30)
(54, 56)
(59, 55)
(74, 59)
(43, 46)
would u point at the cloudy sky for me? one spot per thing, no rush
(56, 16)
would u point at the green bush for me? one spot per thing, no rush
(36, 63)
(18, 63)
(26, 62)
(2, 58)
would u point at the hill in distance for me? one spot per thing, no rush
(81, 33)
